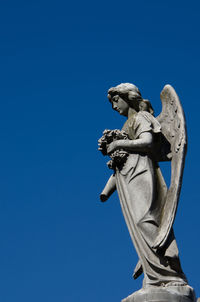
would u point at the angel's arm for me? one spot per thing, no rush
(109, 188)
(143, 143)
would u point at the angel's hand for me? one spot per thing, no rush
(114, 146)
(100, 147)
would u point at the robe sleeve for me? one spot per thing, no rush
(145, 122)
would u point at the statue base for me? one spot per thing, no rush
(178, 293)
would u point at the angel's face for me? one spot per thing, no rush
(120, 105)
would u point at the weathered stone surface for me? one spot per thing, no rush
(148, 206)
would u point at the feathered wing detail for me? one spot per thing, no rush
(173, 125)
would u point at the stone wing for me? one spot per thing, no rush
(173, 125)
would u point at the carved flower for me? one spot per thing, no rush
(118, 157)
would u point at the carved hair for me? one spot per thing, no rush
(149, 106)
(131, 95)
(128, 92)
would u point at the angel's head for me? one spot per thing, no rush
(123, 97)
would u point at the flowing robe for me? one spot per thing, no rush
(142, 190)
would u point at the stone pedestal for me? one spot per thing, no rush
(163, 294)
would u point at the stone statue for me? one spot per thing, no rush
(148, 206)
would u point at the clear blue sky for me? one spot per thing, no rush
(58, 58)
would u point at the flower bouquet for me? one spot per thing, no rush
(118, 157)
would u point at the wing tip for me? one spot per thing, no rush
(166, 88)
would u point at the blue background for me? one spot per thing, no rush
(58, 58)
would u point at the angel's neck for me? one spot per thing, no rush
(131, 112)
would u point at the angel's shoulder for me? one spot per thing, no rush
(144, 115)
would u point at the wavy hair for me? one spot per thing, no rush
(128, 92)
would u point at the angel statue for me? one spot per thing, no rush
(148, 205)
